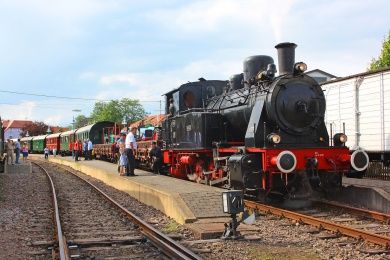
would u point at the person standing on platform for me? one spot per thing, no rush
(46, 151)
(122, 159)
(71, 147)
(10, 151)
(76, 150)
(156, 155)
(85, 149)
(121, 141)
(17, 151)
(25, 151)
(90, 148)
(131, 147)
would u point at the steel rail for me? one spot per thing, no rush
(170, 247)
(62, 244)
(321, 223)
(358, 211)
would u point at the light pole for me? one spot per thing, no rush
(73, 127)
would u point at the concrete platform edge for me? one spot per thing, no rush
(371, 198)
(171, 205)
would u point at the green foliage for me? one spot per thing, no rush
(34, 129)
(171, 227)
(81, 121)
(383, 60)
(116, 110)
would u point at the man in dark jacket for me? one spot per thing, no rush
(156, 155)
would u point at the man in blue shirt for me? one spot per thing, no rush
(85, 149)
(17, 151)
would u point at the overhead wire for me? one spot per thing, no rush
(71, 98)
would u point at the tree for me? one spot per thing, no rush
(81, 121)
(34, 129)
(117, 110)
(383, 60)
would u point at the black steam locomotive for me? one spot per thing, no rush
(258, 132)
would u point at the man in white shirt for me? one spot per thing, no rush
(131, 147)
(90, 148)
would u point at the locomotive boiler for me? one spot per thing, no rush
(259, 132)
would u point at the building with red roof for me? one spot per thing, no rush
(13, 128)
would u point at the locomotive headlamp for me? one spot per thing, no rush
(300, 67)
(343, 138)
(340, 139)
(274, 138)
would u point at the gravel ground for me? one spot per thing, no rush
(86, 217)
(25, 216)
(277, 238)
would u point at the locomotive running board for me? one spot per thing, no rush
(211, 183)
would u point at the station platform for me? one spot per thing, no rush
(366, 193)
(22, 167)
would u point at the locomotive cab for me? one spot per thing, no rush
(190, 124)
(192, 95)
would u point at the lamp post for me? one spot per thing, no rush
(73, 128)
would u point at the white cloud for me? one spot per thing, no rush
(51, 112)
(118, 78)
(54, 119)
(151, 85)
(23, 110)
(235, 15)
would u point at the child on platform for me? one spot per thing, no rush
(46, 150)
(122, 159)
(25, 151)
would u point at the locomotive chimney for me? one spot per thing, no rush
(286, 57)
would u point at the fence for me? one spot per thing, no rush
(376, 170)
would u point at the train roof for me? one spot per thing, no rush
(39, 137)
(53, 135)
(26, 138)
(194, 82)
(88, 128)
(357, 75)
(67, 133)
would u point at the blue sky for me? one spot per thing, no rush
(140, 49)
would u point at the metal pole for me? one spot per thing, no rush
(358, 82)
(70, 137)
(331, 134)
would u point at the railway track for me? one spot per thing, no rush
(90, 224)
(367, 225)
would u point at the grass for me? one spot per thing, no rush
(271, 253)
(171, 227)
